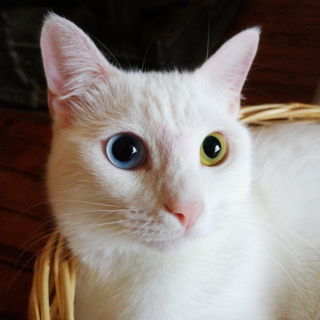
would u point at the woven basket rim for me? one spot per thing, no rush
(54, 282)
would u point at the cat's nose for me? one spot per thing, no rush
(187, 214)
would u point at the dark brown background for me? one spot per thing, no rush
(286, 69)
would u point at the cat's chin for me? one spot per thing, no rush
(179, 245)
(182, 242)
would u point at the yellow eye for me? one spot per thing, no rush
(213, 149)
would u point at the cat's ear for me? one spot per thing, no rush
(71, 62)
(230, 65)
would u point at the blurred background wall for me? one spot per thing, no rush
(166, 34)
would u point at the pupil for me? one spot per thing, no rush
(211, 147)
(124, 149)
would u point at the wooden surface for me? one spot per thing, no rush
(287, 68)
(24, 145)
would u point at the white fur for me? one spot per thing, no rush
(253, 251)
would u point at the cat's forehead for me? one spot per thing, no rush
(170, 101)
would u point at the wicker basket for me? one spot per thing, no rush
(53, 289)
(54, 282)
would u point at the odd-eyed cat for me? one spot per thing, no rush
(175, 210)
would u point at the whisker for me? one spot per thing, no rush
(42, 223)
(273, 273)
(286, 272)
(275, 227)
(282, 268)
(277, 241)
(145, 56)
(125, 54)
(28, 240)
(208, 36)
(84, 202)
(31, 245)
(114, 59)
(26, 263)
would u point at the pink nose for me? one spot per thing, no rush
(187, 214)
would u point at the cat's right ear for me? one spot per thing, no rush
(72, 63)
(229, 66)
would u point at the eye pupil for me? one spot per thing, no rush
(211, 147)
(124, 149)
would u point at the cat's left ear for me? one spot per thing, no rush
(72, 64)
(230, 65)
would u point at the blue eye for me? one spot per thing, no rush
(125, 151)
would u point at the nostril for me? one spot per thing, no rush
(181, 218)
(186, 214)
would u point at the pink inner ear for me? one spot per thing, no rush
(230, 65)
(71, 61)
(51, 65)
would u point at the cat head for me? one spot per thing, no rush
(143, 159)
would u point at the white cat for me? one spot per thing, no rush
(174, 209)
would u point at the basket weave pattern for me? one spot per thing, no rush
(54, 282)
(53, 289)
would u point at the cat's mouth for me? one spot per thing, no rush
(157, 230)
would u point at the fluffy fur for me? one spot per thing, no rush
(252, 252)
